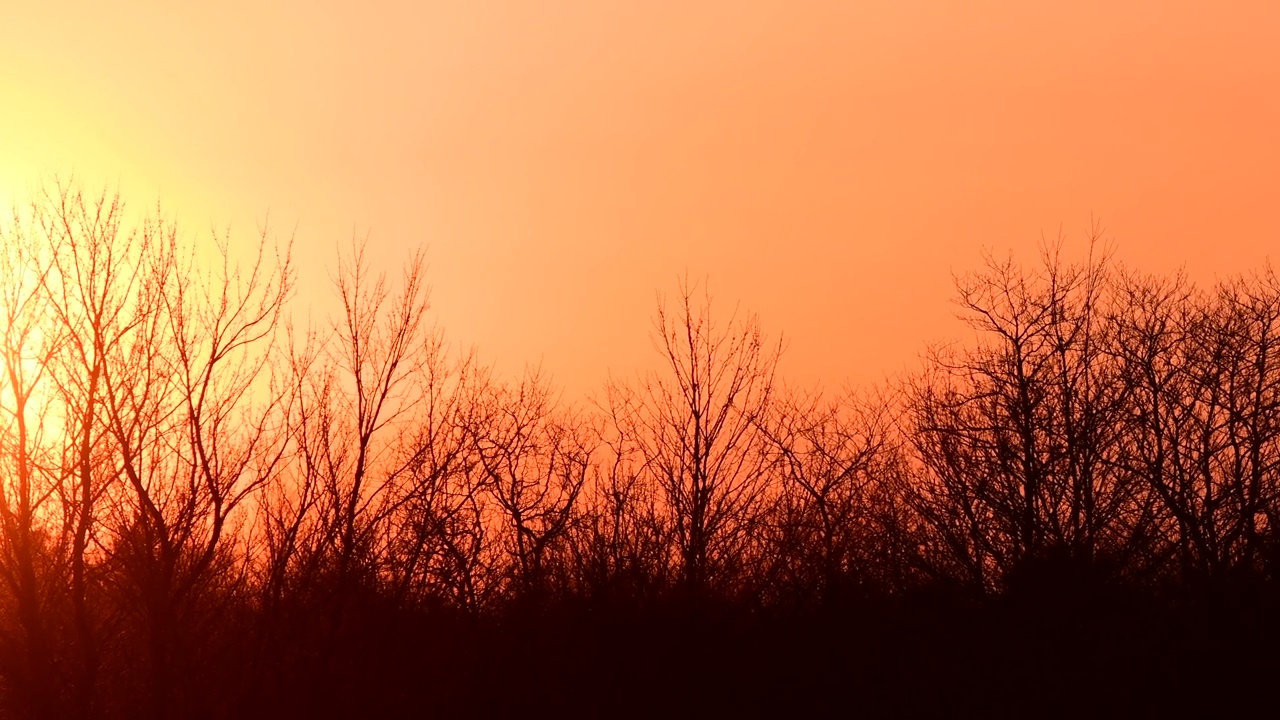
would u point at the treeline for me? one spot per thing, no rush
(207, 513)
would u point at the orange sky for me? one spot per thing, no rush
(827, 164)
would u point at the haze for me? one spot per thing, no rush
(826, 164)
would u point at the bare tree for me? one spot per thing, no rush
(1203, 432)
(437, 533)
(375, 440)
(696, 431)
(536, 458)
(356, 402)
(140, 424)
(1014, 437)
(197, 428)
(620, 547)
(835, 527)
(32, 541)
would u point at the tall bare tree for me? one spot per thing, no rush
(536, 458)
(1203, 431)
(696, 430)
(1014, 437)
(33, 544)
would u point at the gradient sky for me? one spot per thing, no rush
(826, 164)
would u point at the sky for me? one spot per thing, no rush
(829, 166)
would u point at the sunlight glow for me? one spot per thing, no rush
(29, 378)
(26, 350)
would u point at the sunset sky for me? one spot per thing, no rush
(828, 165)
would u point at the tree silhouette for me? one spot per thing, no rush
(535, 459)
(836, 525)
(205, 513)
(1014, 436)
(696, 431)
